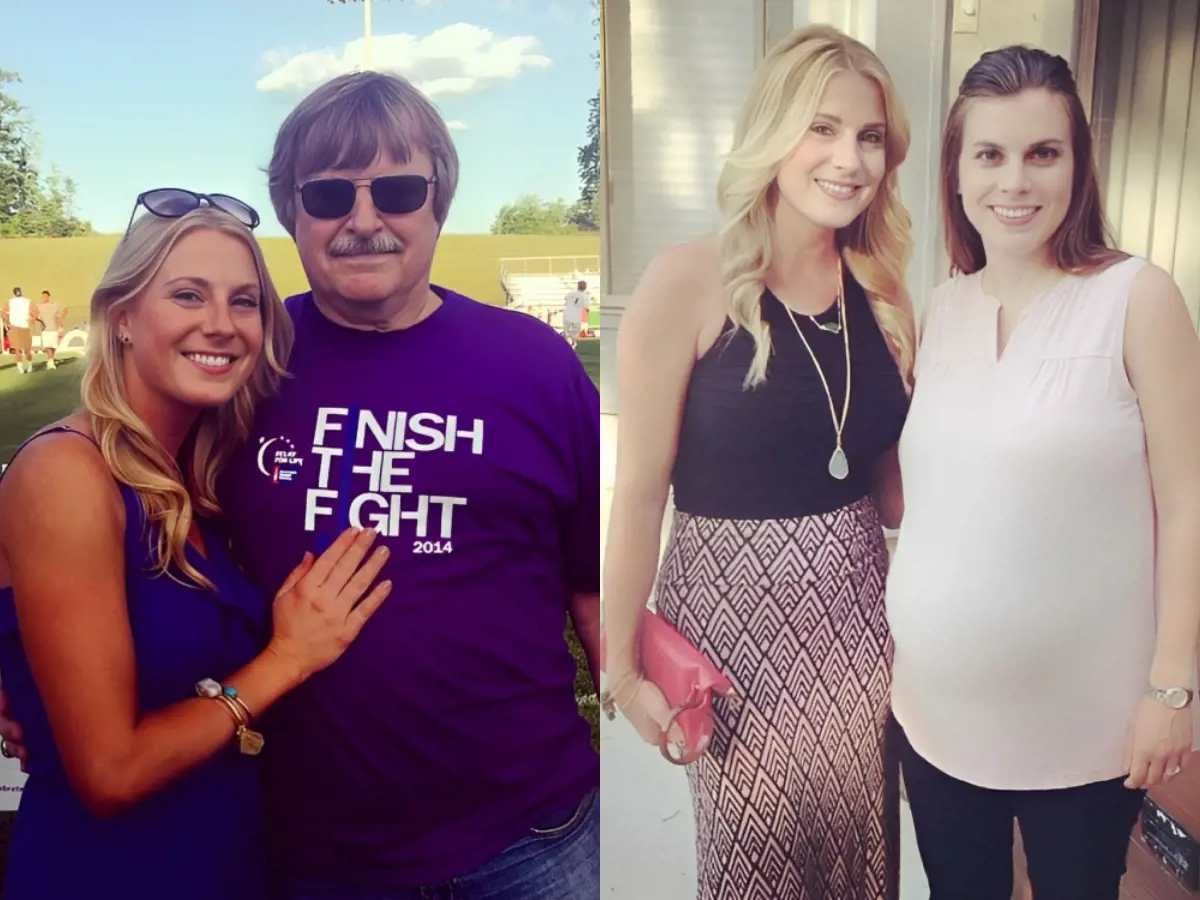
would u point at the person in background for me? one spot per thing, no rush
(762, 374)
(18, 315)
(140, 670)
(1044, 596)
(575, 312)
(52, 316)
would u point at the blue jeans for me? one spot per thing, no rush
(562, 863)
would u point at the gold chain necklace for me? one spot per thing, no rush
(839, 465)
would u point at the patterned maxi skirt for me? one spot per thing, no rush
(798, 796)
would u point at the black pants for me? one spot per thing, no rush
(1075, 839)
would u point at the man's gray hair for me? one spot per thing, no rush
(347, 123)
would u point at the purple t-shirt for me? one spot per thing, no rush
(450, 727)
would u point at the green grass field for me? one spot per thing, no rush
(31, 401)
(469, 263)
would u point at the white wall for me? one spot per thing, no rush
(912, 39)
(668, 126)
(855, 17)
(1049, 24)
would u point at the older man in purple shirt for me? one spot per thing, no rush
(443, 756)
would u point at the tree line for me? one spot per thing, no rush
(32, 203)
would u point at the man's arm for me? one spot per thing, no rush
(582, 522)
(585, 618)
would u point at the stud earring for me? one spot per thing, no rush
(125, 338)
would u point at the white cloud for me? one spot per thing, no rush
(449, 62)
(455, 125)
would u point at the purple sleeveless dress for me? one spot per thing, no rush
(202, 837)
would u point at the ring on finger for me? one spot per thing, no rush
(1173, 771)
(7, 753)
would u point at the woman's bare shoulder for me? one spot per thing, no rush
(63, 466)
(683, 280)
(690, 262)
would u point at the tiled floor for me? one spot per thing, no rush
(647, 836)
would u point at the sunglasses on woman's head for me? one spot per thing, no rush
(174, 203)
(393, 195)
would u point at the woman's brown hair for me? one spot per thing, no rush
(1083, 242)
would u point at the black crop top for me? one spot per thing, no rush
(763, 453)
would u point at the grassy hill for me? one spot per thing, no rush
(469, 263)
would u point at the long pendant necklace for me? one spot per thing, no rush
(839, 465)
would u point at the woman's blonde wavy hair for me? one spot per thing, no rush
(171, 491)
(777, 113)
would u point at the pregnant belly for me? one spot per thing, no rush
(1000, 639)
(970, 638)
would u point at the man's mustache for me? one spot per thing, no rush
(353, 245)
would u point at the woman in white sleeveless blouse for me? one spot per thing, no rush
(1044, 598)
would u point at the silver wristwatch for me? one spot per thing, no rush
(1173, 697)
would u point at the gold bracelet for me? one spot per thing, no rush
(638, 679)
(608, 696)
(238, 720)
(245, 709)
(249, 742)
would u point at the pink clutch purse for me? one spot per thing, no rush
(687, 679)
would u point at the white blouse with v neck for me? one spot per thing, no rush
(1022, 591)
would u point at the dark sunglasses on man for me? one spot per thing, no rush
(393, 195)
(174, 203)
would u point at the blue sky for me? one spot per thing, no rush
(128, 95)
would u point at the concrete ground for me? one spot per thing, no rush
(647, 835)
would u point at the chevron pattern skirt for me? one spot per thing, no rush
(798, 797)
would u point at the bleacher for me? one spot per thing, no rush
(536, 285)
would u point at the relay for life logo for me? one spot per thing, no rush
(278, 460)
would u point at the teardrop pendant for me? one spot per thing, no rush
(839, 465)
